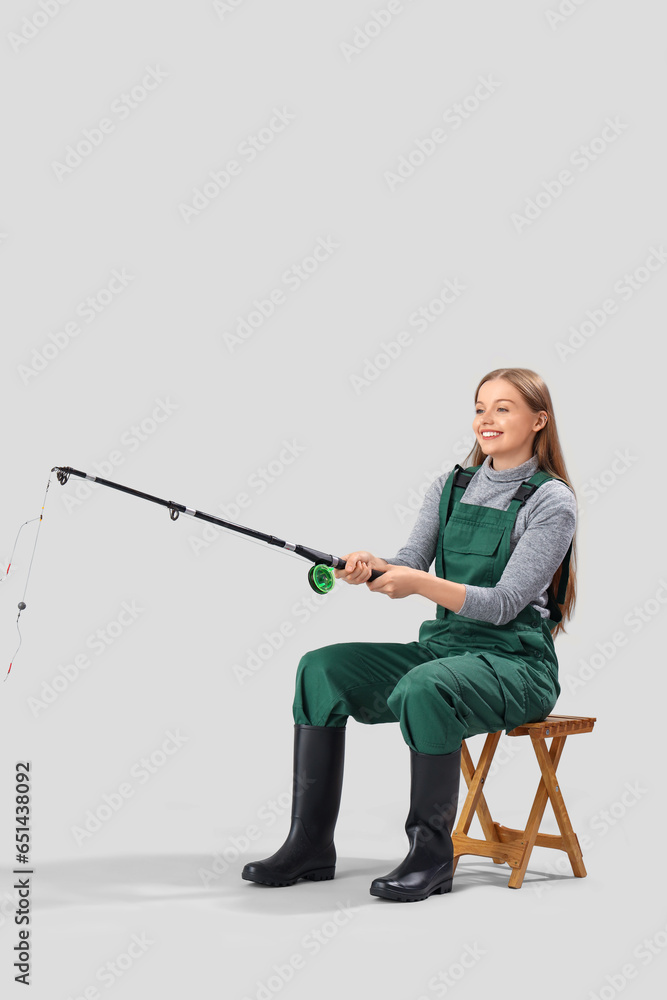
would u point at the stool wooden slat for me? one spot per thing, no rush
(504, 844)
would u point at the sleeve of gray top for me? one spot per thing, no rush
(419, 550)
(550, 525)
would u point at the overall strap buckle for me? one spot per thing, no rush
(524, 491)
(461, 477)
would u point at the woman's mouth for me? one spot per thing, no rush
(489, 435)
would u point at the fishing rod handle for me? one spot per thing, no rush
(375, 573)
(326, 559)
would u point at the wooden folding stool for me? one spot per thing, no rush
(502, 843)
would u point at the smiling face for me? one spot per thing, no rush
(504, 424)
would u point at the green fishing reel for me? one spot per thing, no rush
(321, 578)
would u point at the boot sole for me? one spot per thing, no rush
(402, 897)
(317, 875)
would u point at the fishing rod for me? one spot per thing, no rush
(320, 576)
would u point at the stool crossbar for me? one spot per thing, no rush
(514, 847)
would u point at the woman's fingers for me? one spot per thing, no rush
(359, 571)
(349, 575)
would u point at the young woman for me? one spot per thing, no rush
(502, 534)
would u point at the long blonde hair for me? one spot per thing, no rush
(546, 446)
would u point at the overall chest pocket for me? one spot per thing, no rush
(470, 551)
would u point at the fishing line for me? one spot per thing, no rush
(22, 604)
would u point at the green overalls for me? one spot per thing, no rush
(463, 676)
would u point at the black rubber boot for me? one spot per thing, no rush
(317, 782)
(434, 796)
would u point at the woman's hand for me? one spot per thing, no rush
(396, 581)
(358, 566)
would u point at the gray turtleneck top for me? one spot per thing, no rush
(539, 539)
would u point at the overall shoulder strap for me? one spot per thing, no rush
(458, 477)
(552, 602)
(524, 491)
(461, 477)
(554, 610)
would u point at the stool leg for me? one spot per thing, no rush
(477, 779)
(483, 811)
(548, 763)
(547, 789)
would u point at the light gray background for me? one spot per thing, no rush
(363, 454)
